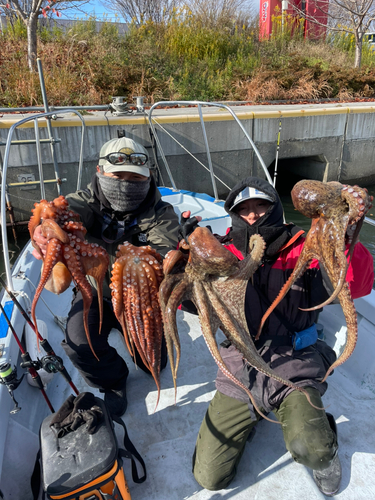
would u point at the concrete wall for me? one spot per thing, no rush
(331, 142)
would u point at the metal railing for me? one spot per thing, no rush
(4, 186)
(200, 105)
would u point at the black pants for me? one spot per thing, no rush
(110, 371)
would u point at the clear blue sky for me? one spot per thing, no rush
(93, 7)
(96, 7)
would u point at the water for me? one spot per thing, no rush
(367, 235)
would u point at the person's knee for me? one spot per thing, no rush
(317, 456)
(208, 477)
(210, 481)
(75, 351)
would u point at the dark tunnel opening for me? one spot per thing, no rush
(291, 170)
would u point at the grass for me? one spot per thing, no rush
(182, 58)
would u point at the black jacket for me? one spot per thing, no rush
(305, 367)
(154, 223)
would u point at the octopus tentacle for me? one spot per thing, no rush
(135, 281)
(169, 308)
(173, 258)
(335, 262)
(118, 299)
(244, 344)
(152, 323)
(77, 271)
(205, 319)
(95, 262)
(358, 200)
(302, 264)
(134, 315)
(54, 255)
(350, 314)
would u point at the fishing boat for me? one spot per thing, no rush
(166, 438)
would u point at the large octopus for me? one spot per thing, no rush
(68, 256)
(136, 277)
(216, 282)
(333, 208)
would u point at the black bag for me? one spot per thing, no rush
(86, 462)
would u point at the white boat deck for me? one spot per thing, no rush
(165, 439)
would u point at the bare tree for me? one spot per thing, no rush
(141, 11)
(349, 16)
(29, 11)
(213, 11)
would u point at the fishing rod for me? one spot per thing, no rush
(52, 362)
(277, 154)
(9, 376)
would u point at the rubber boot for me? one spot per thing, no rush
(328, 480)
(116, 400)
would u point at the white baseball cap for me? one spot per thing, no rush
(134, 157)
(249, 193)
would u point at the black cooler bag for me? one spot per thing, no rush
(81, 466)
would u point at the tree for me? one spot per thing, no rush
(349, 16)
(158, 10)
(213, 11)
(29, 11)
(141, 11)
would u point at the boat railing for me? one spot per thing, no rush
(4, 186)
(200, 105)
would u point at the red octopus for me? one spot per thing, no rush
(136, 277)
(68, 256)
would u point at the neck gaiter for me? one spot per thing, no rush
(123, 196)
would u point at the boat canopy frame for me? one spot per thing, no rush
(200, 104)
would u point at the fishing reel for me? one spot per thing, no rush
(8, 377)
(50, 363)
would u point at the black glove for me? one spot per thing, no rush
(187, 226)
(75, 412)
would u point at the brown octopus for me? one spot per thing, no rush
(216, 282)
(333, 207)
(136, 277)
(68, 256)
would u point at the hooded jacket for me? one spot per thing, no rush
(153, 223)
(304, 367)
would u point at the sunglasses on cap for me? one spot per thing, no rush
(122, 158)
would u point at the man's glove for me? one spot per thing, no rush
(187, 226)
(75, 412)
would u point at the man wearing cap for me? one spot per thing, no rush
(122, 203)
(289, 344)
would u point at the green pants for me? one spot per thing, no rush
(227, 425)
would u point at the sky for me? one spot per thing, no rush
(96, 7)
(93, 7)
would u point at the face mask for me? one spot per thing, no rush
(123, 196)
